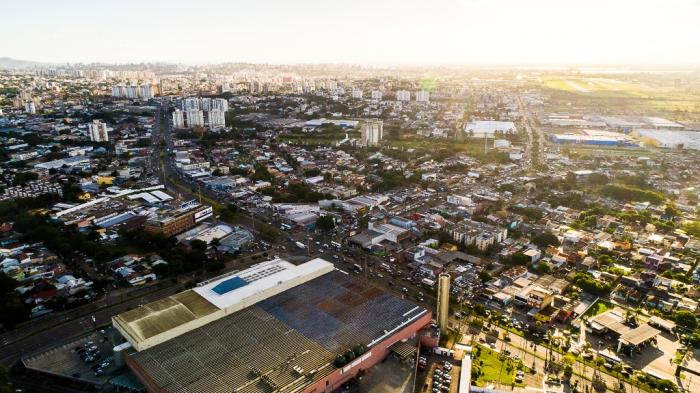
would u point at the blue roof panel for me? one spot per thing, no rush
(229, 285)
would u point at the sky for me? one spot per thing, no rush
(371, 32)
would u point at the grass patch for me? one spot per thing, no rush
(495, 368)
(599, 307)
(583, 151)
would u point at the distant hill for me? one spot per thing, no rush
(8, 62)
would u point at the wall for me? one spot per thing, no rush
(379, 353)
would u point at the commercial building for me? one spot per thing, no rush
(488, 128)
(372, 132)
(273, 327)
(598, 140)
(98, 131)
(338, 122)
(173, 221)
(422, 96)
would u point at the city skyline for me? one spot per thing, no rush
(502, 32)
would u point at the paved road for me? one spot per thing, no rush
(66, 330)
(531, 353)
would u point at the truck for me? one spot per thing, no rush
(428, 282)
(300, 244)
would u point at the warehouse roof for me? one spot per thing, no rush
(283, 343)
(167, 318)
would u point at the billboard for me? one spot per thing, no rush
(203, 214)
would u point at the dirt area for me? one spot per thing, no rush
(389, 376)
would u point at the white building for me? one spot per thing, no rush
(403, 95)
(372, 132)
(205, 104)
(98, 131)
(377, 95)
(217, 119)
(220, 104)
(29, 107)
(133, 91)
(422, 96)
(488, 128)
(356, 93)
(195, 117)
(120, 148)
(459, 200)
(178, 119)
(190, 104)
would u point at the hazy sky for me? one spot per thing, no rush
(358, 31)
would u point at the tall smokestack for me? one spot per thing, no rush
(443, 301)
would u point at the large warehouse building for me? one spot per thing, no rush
(273, 327)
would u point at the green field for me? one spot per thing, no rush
(495, 368)
(598, 308)
(586, 151)
(614, 96)
(597, 86)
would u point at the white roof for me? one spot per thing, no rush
(260, 281)
(161, 195)
(490, 126)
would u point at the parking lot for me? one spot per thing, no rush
(437, 374)
(87, 358)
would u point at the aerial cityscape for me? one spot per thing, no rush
(383, 197)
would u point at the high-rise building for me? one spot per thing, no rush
(356, 93)
(217, 119)
(403, 95)
(98, 131)
(30, 107)
(145, 90)
(190, 104)
(195, 117)
(422, 96)
(178, 119)
(254, 87)
(220, 104)
(372, 132)
(377, 95)
(443, 301)
(205, 104)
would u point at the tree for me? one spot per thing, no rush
(4, 380)
(197, 244)
(484, 276)
(325, 223)
(545, 240)
(686, 319)
(268, 233)
(519, 259)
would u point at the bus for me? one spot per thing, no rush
(300, 245)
